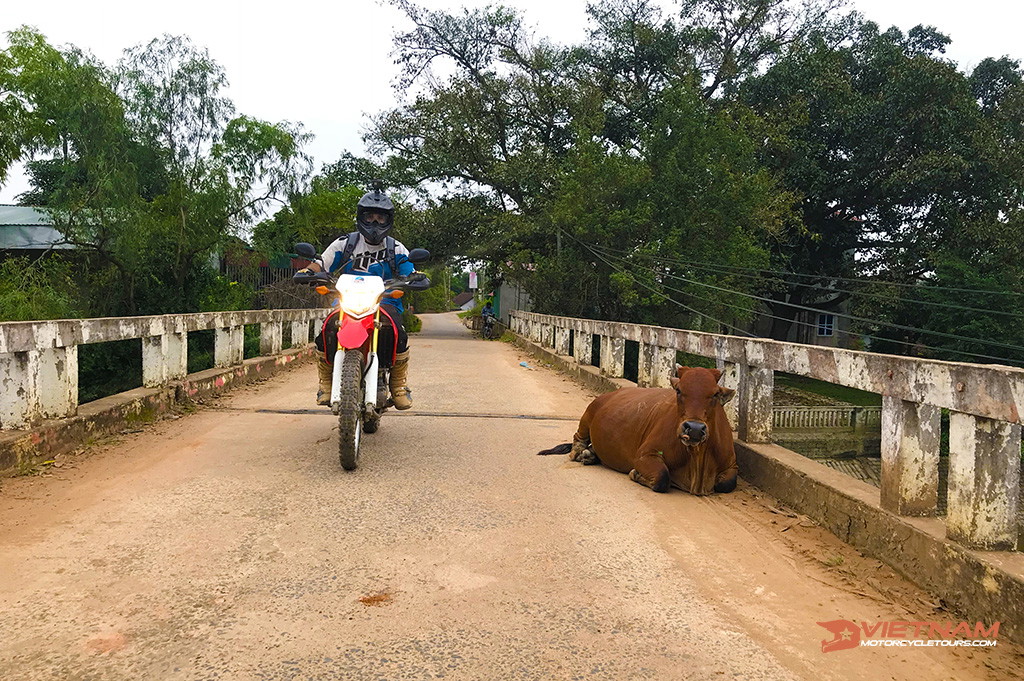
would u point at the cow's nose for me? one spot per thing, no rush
(695, 430)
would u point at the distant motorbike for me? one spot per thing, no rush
(366, 346)
(488, 330)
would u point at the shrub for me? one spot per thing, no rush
(44, 289)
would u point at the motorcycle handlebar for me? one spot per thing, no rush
(417, 281)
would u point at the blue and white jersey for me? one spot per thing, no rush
(369, 259)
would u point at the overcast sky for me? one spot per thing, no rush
(327, 64)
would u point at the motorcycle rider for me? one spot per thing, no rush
(487, 315)
(370, 250)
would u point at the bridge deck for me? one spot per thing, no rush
(229, 544)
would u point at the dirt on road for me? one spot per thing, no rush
(229, 544)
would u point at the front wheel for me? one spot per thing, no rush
(350, 411)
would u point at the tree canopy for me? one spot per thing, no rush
(144, 166)
(726, 165)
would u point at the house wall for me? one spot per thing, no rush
(510, 296)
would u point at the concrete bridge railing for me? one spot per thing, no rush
(986, 403)
(799, 418)
(39, 360)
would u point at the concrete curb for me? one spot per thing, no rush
(978, 586)
(20, 449)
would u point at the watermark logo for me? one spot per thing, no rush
(847, 634)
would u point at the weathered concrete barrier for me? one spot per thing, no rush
(800, 418)
(978, 584)
(986, 404)
(39, 368)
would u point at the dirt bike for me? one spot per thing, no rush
(488, 331)
(366, 346)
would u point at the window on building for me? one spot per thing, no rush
(826, 324)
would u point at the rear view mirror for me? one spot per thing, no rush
(416, 255)
(306, 251)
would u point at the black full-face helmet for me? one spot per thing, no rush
(375, 214)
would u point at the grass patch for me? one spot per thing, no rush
(106, 369)
(472, 312)
(413, 324)
(200, 350)
(860, 398)
(698, 361)
(147, 414)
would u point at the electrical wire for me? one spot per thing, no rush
(659, 293)
(861, 280)
(892, 325)
(807, 324)
(722, 269)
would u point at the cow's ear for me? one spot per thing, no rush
(680, 370)
(725, 394)
(716, 373)
(675, 383)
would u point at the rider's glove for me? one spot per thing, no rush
(305, 270)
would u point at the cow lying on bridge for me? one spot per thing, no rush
(659, 436)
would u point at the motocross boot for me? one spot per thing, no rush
(400, 393)
(323, 393)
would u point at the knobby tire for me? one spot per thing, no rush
(350, 412)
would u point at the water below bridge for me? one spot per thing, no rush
(229, 544)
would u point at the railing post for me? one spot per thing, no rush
(561, 341)
(613, 356)
(300, 333)
(643, 366)
(176, 352)
(984, 482)
(755, 407)
(228, 345)
(19, 404)
(545, 331)
(154, 362)
(657, 366)
(731, 379)
(237, 344)
(910, 457)
(57, 382)
(270, 338)
(583, 347)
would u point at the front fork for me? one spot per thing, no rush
(369, 374)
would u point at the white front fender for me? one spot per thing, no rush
(370, 383)
(339, 359)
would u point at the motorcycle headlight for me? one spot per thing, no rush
(359, 303)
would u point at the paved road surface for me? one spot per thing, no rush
(229, 544)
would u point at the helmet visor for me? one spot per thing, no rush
(373, 217)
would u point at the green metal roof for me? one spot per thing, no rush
(27, 228)
(23, 215)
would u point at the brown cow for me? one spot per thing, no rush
(660, 436)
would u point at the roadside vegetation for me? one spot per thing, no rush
(718, 165)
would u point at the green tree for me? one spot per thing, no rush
(222, 169)
(877, 135)
(153, 176)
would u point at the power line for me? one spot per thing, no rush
(855, 280)
(892, 325)
(673, 300)
(721, 269)
(656, 292)
(807, 324)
